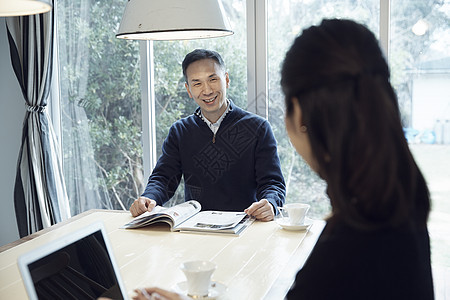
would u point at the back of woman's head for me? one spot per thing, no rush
(338, 74)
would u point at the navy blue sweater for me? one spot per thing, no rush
(240, 167)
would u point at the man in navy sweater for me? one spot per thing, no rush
(227, 156)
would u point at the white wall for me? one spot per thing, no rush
(12, 111)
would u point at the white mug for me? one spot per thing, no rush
(198, 274)
(296, 212)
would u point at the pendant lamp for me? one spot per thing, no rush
(173, 20)
(11, 8)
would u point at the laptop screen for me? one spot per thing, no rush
(79, 266)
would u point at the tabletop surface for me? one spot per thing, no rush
(261, 263)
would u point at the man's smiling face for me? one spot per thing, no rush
(207, 83)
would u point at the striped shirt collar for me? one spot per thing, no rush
(214, 126)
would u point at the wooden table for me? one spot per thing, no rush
(261, 263)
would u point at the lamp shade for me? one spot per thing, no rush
(11, 8)
(173, 20)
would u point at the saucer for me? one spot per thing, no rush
(215, 290)
(284, 222)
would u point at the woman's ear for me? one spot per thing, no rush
(297, 116)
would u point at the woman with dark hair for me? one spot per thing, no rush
(342, 117)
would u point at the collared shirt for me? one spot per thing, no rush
(215, 126)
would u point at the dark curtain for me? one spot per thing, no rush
(40, 197)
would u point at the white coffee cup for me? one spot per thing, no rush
(296, 212)
(198, 274)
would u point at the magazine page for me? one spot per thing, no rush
(171, 215)
(213, 221)
(235, 231)
(183, 211)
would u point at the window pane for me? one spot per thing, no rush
(420, 65)
(286, 19)
(100, 106)
(172, 100)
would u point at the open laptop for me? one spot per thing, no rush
(79, 265)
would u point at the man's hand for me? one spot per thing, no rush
(141, 205)
(261, 210)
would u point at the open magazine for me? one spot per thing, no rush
(188, 217)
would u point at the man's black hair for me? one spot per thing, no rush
(199, 54)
